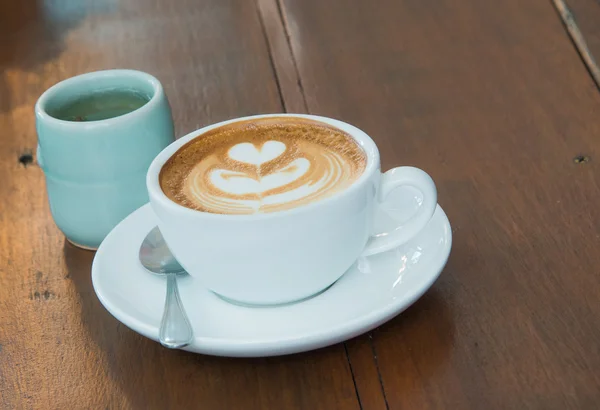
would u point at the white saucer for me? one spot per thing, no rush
(375, 290)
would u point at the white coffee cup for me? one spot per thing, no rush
(286, 256)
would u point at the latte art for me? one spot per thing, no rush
(263, 166)
(252, 186)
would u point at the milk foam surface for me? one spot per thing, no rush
(264, 165)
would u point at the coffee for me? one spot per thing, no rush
(262, 165)
(100, 105)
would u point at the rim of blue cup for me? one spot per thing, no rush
(92, 81)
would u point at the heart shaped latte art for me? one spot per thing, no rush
(250, 154)
(237, 182)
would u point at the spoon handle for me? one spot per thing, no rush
(175, 329)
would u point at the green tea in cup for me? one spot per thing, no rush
(100, 105)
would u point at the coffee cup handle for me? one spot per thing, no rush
(395, 178)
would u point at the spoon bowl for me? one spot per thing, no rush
(156, 256)
(175, 329)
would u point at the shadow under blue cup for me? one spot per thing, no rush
(96, 170)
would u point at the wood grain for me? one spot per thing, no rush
(489, 97)
(59, 348)
(493, 101)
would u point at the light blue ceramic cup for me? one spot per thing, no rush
(96, 171)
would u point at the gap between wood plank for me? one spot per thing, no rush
(271, 59)
(282, 57)
(578, 40)
(374, 351)
(353, 377)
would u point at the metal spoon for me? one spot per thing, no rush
(175, 329)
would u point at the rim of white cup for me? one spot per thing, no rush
(364, 141)
(75, 81)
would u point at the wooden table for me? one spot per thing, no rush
(491, 98)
